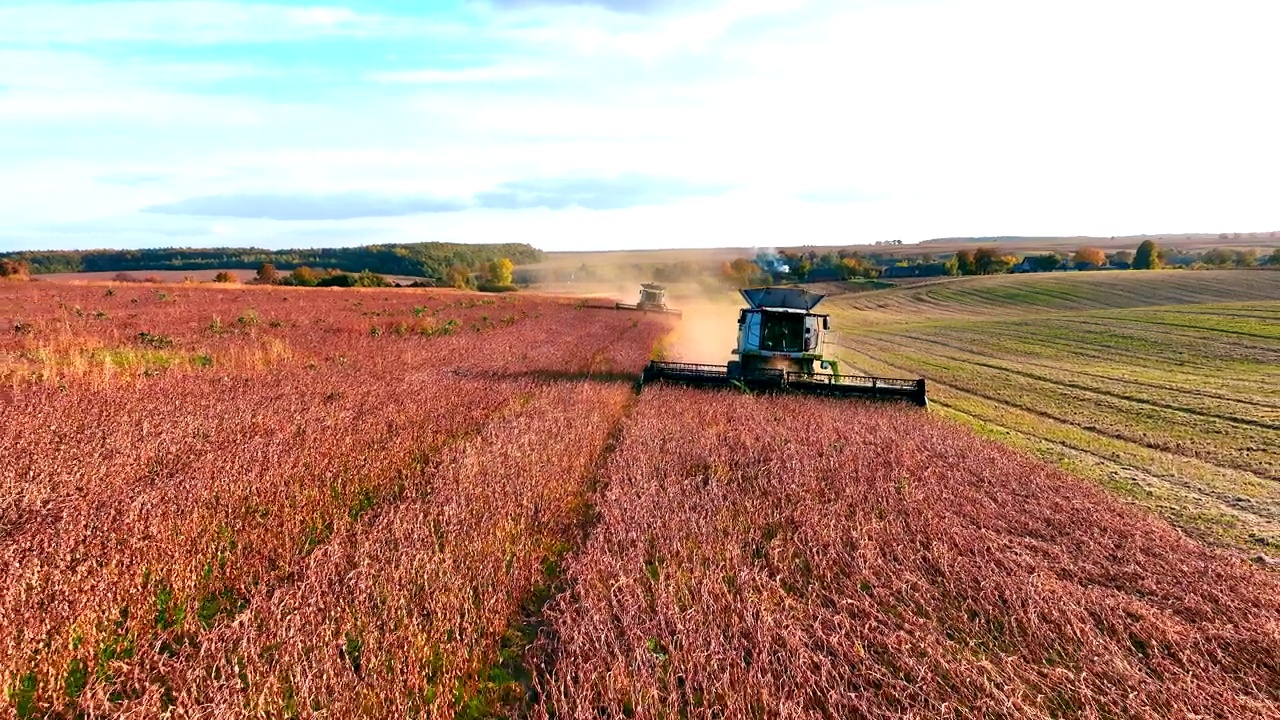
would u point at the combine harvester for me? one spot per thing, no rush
(652, 299)
(781, 346)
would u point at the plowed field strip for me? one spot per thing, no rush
(1210, 500)
(1215, 508)
(1048, 414)
(1192, 326)
(1250, 313)
(961, 354)
(1114, 371)
(1169, 376)
(1084, 342)
(1138, 338)
(1245, 449)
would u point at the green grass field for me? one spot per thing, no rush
(1164, 386)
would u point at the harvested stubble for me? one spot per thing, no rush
(812, 558)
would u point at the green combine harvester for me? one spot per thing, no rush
(652, 299)
(782, 347)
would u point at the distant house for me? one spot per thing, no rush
(824, 275)
(1032, 263)
(917, 270)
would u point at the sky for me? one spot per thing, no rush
(623, 124)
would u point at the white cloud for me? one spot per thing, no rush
(493, 73)
(900, 120)
(191, 21)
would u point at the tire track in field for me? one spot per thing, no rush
(1087, 347)
(1047, 417)
(1074, 350)
(532, 623)
(1102, 431)
(1225, 331)
(1200, 333)
(970, 358)
(1257, 524)
(1180, 390)
(1263, 525)
(1139, 330)
(1261, 313)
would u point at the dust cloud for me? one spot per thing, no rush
(708, 330)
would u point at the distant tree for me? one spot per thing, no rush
(266, 274)
(1246, 258)
(15, 269)
(983, 259)
(1120, 259)
(989, 261)
(304, 276)
(965, 263)
(1274, 258)
(663, 273)
(364, 278)
(500, 271)
(1090, 256)
(742, 272)
(224, 277)
(856, 267)
(801, 267)
(339, 280)
(459, 276)
(1044, 263)
(1147, 257)
(1218, 257)
(367, 278)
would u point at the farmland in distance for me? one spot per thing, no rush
(1164, 386)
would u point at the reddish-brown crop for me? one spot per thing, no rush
(350, 527)
(770, 557)
(255, 502)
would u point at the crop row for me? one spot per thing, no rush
(351, 530)
(59, 334)
(784, 557)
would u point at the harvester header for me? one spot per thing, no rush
(782, 346)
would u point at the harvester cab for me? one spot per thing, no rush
(652, 299)
(782, 346)
(777, 330)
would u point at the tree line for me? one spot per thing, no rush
(433, 260)
(791, 266)
(492, 276)
(1148, 255)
